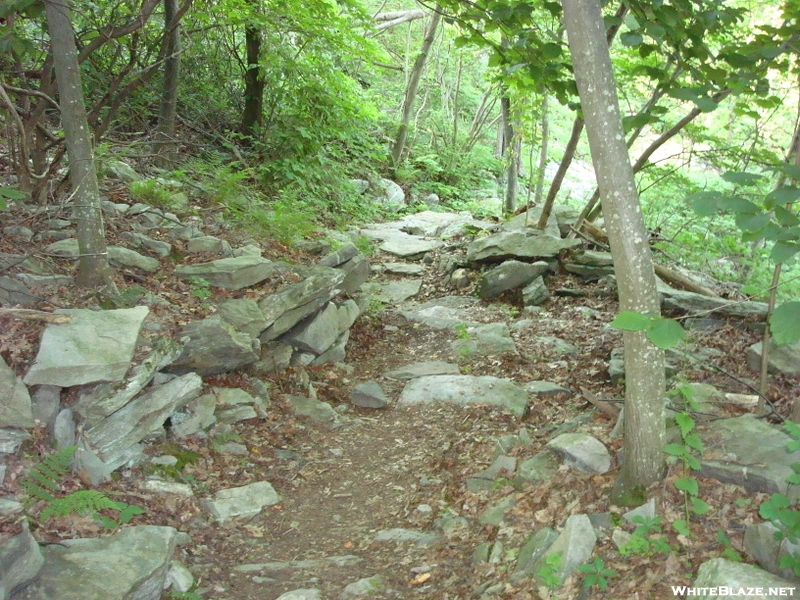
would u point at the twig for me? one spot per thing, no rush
(28, 314)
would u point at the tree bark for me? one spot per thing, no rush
(411, 89)
(537, 198)
(510, 153)
(168, 111)
(253, 112)
(645, 385)
(93, 268)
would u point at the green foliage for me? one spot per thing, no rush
(643, 542)
(156, 194)
(45, 477)
(201, 287)
(597, 574)
(9, 193)
(691, 445)
(548, 573)
(663, 332)
(223, 438)
(183, 596)
(728, 550)
(462, 331)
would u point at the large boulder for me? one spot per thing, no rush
(230, 273)
(508, 276)
(16, 409)
(465, 389)
(517, 244)
(214, 346)
(783, 359)
(691, 302)
(94, 346)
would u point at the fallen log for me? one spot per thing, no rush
(28, 314)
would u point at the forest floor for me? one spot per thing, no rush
(404, 467)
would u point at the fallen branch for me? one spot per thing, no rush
(27, 314)
(604, 406)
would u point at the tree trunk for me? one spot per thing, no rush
(645, 435)
(537, 198)
(93, 268)
(168, 112)
(563, 166)
(510, 153)
(411, 89)
(253, 83)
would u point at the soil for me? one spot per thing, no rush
(405, 467)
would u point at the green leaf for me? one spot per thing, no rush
(551, 50)
(12, 194)
(750, 290)
(742, 178)
(688, 484)
(675, 450)
(773, 508)
(630, 38)
(785, 217)
(753, 223)
(631, 321)
(685, 423)
(783, 251)
(791, 171)
(785, 195)
(705, 204)
(738, 205)
(665, 333)
(692, 462)
(785, 323)
(694, 442)
(682, 527)
(699, 507)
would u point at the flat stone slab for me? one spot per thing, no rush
(465, 389)
(399, 534)
(347, 560)
(401, 268)
(396, 292)
(734, 580)
(16, 409)
(491, 339)
(404, 245)
(582, 451)
(94, 346)
(517, 244)
(422, 369)
(691, 302)
(230, 273)
(245, 501)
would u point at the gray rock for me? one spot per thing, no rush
(492, 339)
(15, 292)
(11, 440)
(575, 544)
(125, 257)
(396, 292)
(439, 317)
(233, 448)
(214, 346)
(369, 395)
(532, 217)
(236, 414)
(45, 402)
(39, 281)
(761, 543)
(410, 269)
(423, 369)
(208, 243)
(502, 466)
(646, 510)
(120, 170)
(16, 409)
(179, 578)
(691, 302)
(391, 196)
(115, 434)
(66, 359)
(405, 535)
(465, 389)
(555, 344)
(64, 429)
(408, 246)
(160, 486)
(7, 509)
(316, 334)
(301, 594)
(312, 408)
(340, 256)
(157, 247)
(248, 250)
(357, 271)
(755, 456)
(481, 554)
(545, 389)
(517, 244)
(275, 357)
(230, 273)
(496, 514)
(540, 467)
(244, 314)
(460, 279)
(336, 353)
(732, 577)
(582, 451)
(510, 275)
(535, 293)
(232, 396)
(287, 307)
(535, 546)
(245, 501)
(129, 565)
(20, 561)
(368, 586)
(196, 415)
(588, 273)
(783, 359)
(348, 560)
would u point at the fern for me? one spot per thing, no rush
(47, 475)
(82, 502)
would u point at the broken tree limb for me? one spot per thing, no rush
(27, 314)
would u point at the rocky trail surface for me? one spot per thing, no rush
(463, 437)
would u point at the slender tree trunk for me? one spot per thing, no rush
(644, 363)
(510, 154)
(543, 152)
(252, 114)
(411, 89)
(93, 268)
(168, 112)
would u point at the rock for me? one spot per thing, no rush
(691, 303)
(18, 231)
(369, 395)
(336, 353)
(423, 369)
(582, 451)
(301, 594)
(40, 281)
(287, 307)
(340, 256)
(495, 514)
(510, 275)
(214, 346)
(208, 243)
(535, 293)
(11, 440)
(465, 389)
(755, 456)
(516, 244)
(245, 501)
(129, 565)
(20, 561)
(357, 271)
(459, 279)
(391, 196)
(16, 409)
(275, 357)
(64, 429)
(761, 543)
(236, 414)
(232, 396)
(249, 250)
(368, 586)
(120, 170)
(503, 466)
(439, 317)
(646, 510)
(125, 257)
(230, 273)
(318, 333)
(405, 535)
(492, 339)
(535, 546)
(347, 560)
(575, 544)
(115, 434)
(409, 269)
(734, 580)
(408, 246)
(545, 389)
(157, 247)
(555, 344)
(15, 292)
(179, 578)
(532, 217)
(244, 314)
(66, 359)
(540, 467)
(312, 408)
(196, 415)
(396, 292)
(481, 554)
(783, 359)
(160, 486)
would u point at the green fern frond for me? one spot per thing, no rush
(47, 474)
(82, 502)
